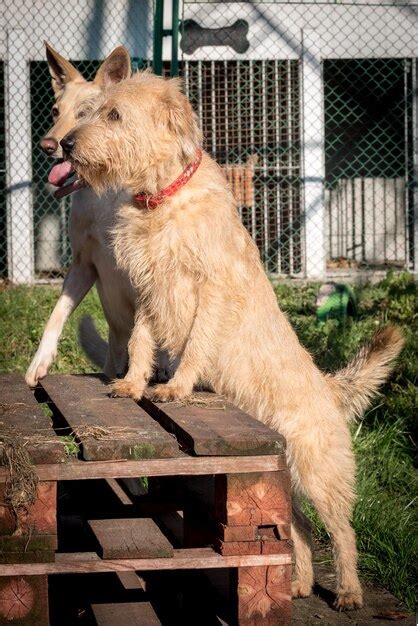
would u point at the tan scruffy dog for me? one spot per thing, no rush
(203, 295)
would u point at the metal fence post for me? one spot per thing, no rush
(175, 38)
(18, 161)
(157, 61)
(313, 157)
(415, 165)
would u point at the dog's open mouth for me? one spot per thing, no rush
(62, 172)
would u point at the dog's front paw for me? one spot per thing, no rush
(124, 388)
(301, 589)
(169, 392)
(38, 369)
(348, 600)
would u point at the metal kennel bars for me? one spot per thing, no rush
(310, 107)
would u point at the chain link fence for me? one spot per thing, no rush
(310, 107)
(321, 106)
(34, 242)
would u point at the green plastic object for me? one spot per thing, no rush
(335, 301)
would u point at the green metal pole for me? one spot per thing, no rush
(175, 38)
(157, 61)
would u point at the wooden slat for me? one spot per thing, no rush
(85, 403)
(130, 539)
(256, 499)
(119, 492)
(40, 519)
(229, 548)
(140, 613)
(237, 533)
(24, 601)
(22, 415)
(173, 524)
(263, 591)
(131, 580)
(212, 426)
(194, 558)
(193, 466)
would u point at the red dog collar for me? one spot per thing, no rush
(153, 201)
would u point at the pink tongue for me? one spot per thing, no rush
(59, 173)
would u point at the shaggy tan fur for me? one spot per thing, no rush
(203, 295)
(90, 222)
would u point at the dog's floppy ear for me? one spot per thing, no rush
(182, 122)
(116, 67)
(61, 70)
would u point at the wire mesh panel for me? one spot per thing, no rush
(3, 218)
(34, 225)
(251, 124)
(368, 160)
(318, 99)
(50, 216)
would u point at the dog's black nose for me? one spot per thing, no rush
(68, 143)
(49, 145)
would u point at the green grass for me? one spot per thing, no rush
(23, 314)
(385, 516)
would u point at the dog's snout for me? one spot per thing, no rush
(49, 145)
(68, 143)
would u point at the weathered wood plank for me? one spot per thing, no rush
(263, 595)
(108, 428)
(212, 426)
(15, 544)
(186, 465)
(255, 499)
(194, 558)
(125, 612)
(24, 601)
(229, 548)
(277, 547)
(131, 580)
(29, 533)
(274, 533)
(41, 517)
(130, 539)
(28, 556)
(119, 492)
(22, 419)
(237, 533)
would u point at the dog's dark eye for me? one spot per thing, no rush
(55, 111)
(80, 114)
(113, 115)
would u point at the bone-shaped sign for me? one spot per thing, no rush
(194, 36)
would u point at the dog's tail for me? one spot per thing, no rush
(92, 343)
(358, 382)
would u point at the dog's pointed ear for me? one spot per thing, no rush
(61, 70)
(116, 67)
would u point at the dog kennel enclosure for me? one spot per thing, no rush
(310, 107)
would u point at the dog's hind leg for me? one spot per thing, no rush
(327, 480)
(302, 546)
(337, 521)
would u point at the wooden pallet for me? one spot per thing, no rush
(218, 497)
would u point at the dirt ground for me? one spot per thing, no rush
(380, 607)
